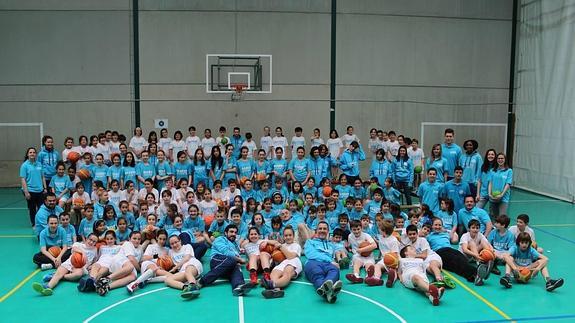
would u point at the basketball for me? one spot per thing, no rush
(364, 244)
(391, 260)
(299, 203)
(83, 174)
(220, 202)
(267, 248)
(73, 157)
(224, 141)
(487, 255)
(216, 234)
(278, 256)
(261, 177)
(372, 187)
(326, 191)
(99, 244)
(397, 235)
(54, 251)
(524, 275)
(149, 233)
(208, 219)
(243, 180)
(78, 202)
(165, 262)
(78, 260)
(418, 169)
(496, 193)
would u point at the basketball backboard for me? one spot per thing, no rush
(225, 71)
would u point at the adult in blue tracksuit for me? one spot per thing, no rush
(380, 167)
(471, 163)
(33, 183)
(450, 151)
(320, 268)
(50, 207)
(402, 170)
(226, 263)
(316, 166)
(48, 157)
(349, 161)
(472, 212)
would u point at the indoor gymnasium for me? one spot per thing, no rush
(287, 161)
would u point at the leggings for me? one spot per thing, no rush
(456, 262)
(34, 204)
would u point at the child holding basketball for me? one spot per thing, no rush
(67, 271)
(412, 275)
(53, 246)
(258, 258)
(362, 245)
(151, 271)
(106, 254)
(473, 242)
(501, 239)
(523, 255)
(186, 270)
(286, 270)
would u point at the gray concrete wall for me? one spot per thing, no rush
(441, 51)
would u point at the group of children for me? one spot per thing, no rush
(182, 195)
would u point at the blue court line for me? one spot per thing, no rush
(534, 318)
(555, 235)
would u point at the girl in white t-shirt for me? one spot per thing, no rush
(164, 142)
(257, 259)
(316, 139)
(285, 271)
(138, 143)
(349, 137)
(186, 270)
(334, 144)
(280, 141)
(177, 145)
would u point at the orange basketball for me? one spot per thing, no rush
(165, 262)
(78, 202)
(524, 275)
(73, 157)
(261, 177)
(391, 260)
(267, 248)
(397, 235)
(220, 202)
(99, 244)
(243, 180)
(326, 191)
(486, 255)
(208, 219)
(83, 174)
(364, 244)
(78, 260)
(278, 256)
(54, 251)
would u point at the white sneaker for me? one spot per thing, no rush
(131, 287)
(46, 267)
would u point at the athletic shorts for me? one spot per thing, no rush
(406, 278)
(431, 258)
(146, 265)
(193, 262)
(364, 260)
(295, 263)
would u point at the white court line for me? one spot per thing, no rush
(533, 201)
(241, 308)
(13, 208)
(105, 309)
(390, 311)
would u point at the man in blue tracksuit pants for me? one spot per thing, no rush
(226, 263)
(320, 268)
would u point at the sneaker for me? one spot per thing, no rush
(483, 271)
(391, 277)
(441, 291)
(190, 291)
(478, 281)
(103, 286)
(331, 294)
(344, 263)
(86, 285)
(323, 289)
(449, 283)
(47, 277)
(370, 271)
(495, 270)
(490, 265)
(505, 281)
(42, 289)
(132, 287)
(46, 267)
(266, 275)
(243, 289)
(553, 284)
(353, 278)
(267, 283)
(253, 277)
(433, 295)
(372, 281)
(273, 293)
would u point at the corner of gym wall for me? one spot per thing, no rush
(67, 65)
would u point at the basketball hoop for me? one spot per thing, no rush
(238, 95)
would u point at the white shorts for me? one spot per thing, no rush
(406, 278)
(117, 265)
(193, 262)
(364, 260)
(106, 262)
(148, 263)
(295, 263)
(431, 258)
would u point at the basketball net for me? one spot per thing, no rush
(238, 93)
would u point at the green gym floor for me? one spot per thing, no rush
(553, 221)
